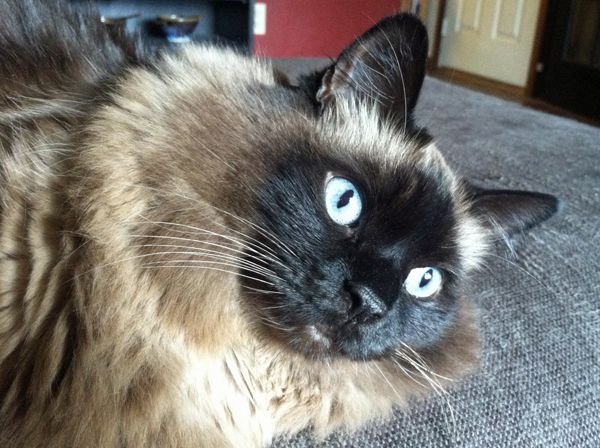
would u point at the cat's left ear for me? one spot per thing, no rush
(510, 212)
(386, 65)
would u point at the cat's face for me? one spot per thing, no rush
(367, 233)
(365, 260)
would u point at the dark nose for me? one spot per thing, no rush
(366, 307)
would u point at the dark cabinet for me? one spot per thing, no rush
(570, 75)
(224, 21)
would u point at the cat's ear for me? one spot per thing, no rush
(510, 212)
(385, 65)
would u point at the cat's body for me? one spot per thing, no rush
(114, 172)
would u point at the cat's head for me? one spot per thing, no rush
(368, 235)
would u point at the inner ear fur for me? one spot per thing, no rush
(386, 66)
(511, 212)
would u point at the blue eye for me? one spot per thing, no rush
(342, 201)
(423, 282)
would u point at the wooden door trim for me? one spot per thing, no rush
(536, 53)
(433, 61)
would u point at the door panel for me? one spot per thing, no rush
(490, 38)
(507, 20)
(468, 15)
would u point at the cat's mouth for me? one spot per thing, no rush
(314, 341)
(348, 340)
(316, 334)
(324, 325)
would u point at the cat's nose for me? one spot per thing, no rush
(365, 305)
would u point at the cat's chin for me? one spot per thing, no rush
(317, 342)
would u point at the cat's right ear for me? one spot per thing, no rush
(508, 213)
(386, 65)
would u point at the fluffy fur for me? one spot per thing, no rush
(115, 169)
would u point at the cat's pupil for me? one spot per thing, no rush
(426, 278)
(345, 198)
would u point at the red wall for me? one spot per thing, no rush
(317, 28)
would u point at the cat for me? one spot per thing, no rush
(195, 252)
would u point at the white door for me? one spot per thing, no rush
(490, 38)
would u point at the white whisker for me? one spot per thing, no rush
(224, 263)
(207, 268)
(249, 246)
(207, 252)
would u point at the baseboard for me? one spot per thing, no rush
(477, 82)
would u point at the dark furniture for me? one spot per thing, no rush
(571, 56)
(224, 21)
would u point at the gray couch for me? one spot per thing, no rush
(539, 382)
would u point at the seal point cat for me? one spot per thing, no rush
(194, 252)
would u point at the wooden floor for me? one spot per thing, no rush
(506, 91)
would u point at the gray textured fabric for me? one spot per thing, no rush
(539, 383)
